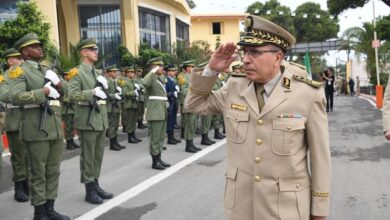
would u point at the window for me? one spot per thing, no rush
(182, 33)
(154, 29)
(217, 28)
(103, 23)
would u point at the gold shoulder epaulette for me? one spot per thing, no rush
(15, 73)
(312, 83)
(2, 79)
(121, 82)
(180, 79)
(72, 73)
(233, 74)
(298, 65)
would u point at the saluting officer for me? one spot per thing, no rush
(156, 111)
(141, 98)
(11, 126)
(273, 119)
(35, 87)
(173, 92)
(87, 89)
(113, 107)
(67, 111)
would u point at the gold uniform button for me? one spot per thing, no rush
(288, 128)
(260, 122)
(259, 141)
(257, 159)
(257, 178)
(297, 186)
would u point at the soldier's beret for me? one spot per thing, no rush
(156, 61)
(112, 68)
(261, 32)
(188, 63)
(89, 43)
(27, 40)
(12, 52)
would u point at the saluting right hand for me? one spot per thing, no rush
(98, 92)
(387, 135)
(223, 57)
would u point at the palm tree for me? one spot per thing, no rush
(360, 39)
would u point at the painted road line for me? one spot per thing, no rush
(370, 101)
(134, 191)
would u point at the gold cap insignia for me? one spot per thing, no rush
(248, 22)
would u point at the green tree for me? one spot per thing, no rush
(191, 4)
(336, 6)
(312, 28)
(275, 12)
(383, 27)
(28, 19)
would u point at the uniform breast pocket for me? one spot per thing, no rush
(236, 123)
(288, 135)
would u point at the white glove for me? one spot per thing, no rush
(177, 88)
(154, 70)
(118, 96)
(103, 81)
(137, 86)
(136, 93)
(99, 93)
(53, 92)
(119, 89)
(223, 83)
(52, 76)
(175, 94)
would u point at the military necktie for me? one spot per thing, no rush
(259, 94)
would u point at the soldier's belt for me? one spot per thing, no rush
(99, 102)
(9, 106)
(163, 98)
(51, 103)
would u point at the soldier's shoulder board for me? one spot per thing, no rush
(309, 82)
(15, 72)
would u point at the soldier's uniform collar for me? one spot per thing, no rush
(87, 66)
(270, 86)
(33, 63)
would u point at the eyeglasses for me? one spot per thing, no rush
(255, 53)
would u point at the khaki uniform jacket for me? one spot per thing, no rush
(130, 94)
(13, 114)
(267, 173)
(113, 105)
(386, 108)
(27, 90)
(156, 107)
(81, 91)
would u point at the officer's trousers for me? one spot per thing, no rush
(189, 126)
(44, 159)
(123, 115)
(92, 151)
(140, 111)
(131, 119)
(69, 125)
(113, 124)
(18, 156)
(205, 123)
(216, 121)
(172, 112)
(156, 136)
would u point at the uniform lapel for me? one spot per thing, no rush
(249, 94)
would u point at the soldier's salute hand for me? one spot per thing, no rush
(222, 57)
(387, 135)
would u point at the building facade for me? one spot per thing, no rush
(223, 27)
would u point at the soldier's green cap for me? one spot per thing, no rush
(202, 65)
(237, 66)
(27, 40)
(112, 68)
(188, 63)
(129, 69)
(156, 61)
(12, 52)
(89, 43)
(139, 69)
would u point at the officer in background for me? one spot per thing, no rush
(122, 79)
(130, 92)
(156, 111)
(67, 111)
(38, 89)
(274, 121)
(87, 89)
(217, 119)
(113, 107)
(141, 98)
(11, 126)
(188, 124)
(173, 92)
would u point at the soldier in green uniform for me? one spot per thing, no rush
(12, 119)
(67, 111)
(141, 99)
(87, 89)
(188, 119)
(131, 94)
(156, 111)
(121, 81)
(113, 108)
(35, 88)
(217, 119)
